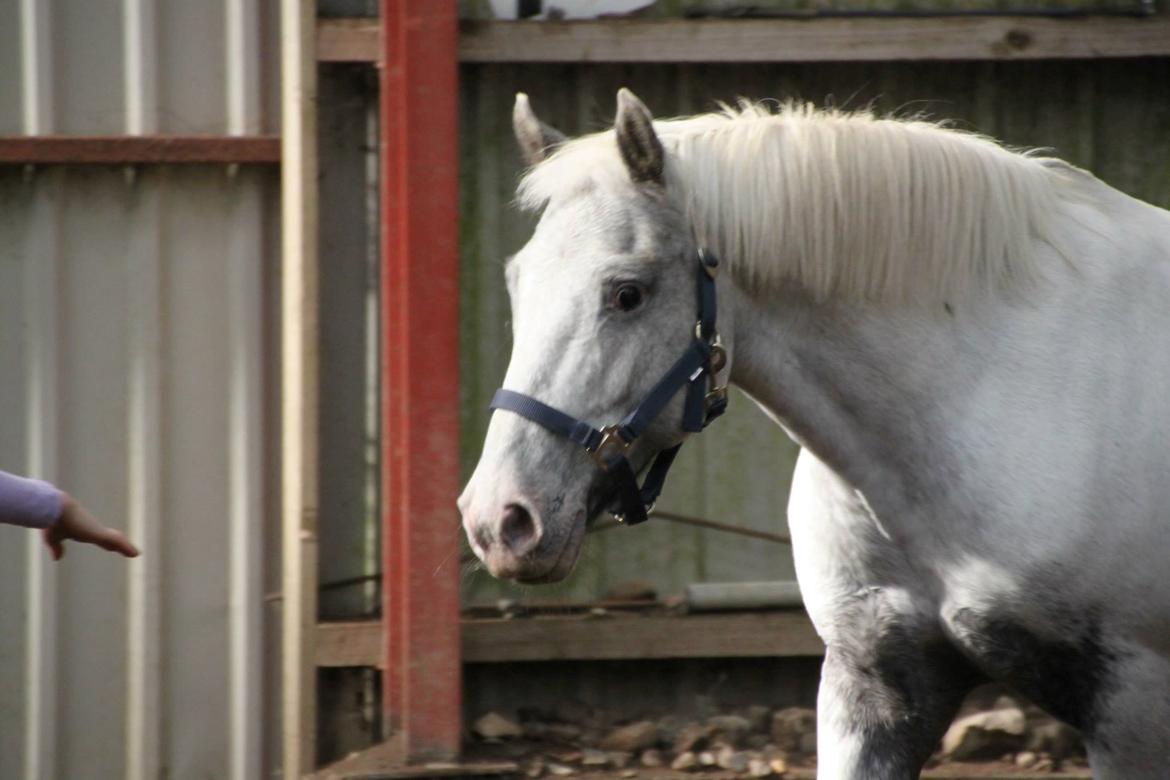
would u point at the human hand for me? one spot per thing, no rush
(77, 524)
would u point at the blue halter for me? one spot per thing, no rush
(696, 369)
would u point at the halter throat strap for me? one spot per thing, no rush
(696, 369)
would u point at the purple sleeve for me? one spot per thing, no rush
(32, 503)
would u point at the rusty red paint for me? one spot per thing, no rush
(420, 354)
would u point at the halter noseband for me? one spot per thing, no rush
(697, 369)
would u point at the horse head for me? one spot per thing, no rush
(603, 303)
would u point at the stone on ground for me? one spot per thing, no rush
(631, 738)
(494, 726)
(694, 736)
(591, 757)
(758, 767)
(794, 730)
(733, 729)
(987, 734)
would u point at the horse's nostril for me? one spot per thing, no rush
(518, 529)
(483, 538)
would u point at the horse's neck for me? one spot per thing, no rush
(862, 390)
(918, 406)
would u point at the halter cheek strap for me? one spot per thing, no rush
(696, 369)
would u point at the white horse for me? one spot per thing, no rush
(971, 345)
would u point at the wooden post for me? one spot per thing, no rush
(420, 363)
(299, 383)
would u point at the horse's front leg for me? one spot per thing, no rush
(886, 698)
(891, 681)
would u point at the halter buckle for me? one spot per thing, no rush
(611, 447)
(621, 517)
(715, 341)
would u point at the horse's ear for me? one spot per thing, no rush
(536, 139)
(638, 143)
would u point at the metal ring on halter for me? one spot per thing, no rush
(611, 447)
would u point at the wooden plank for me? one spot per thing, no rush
(781, 633)
(351, 643)
(780, 40)
(299, 396)
(132, 150)
(419, 175)
(815, 40)
(387, 761)
(349, 40)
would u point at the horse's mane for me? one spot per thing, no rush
(840, 203)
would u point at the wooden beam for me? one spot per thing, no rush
(832, 39)
(138, 150)
(299, 383)
(816, 40)
(778, 633)
(349, 40)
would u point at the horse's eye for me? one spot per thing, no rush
(628, 296)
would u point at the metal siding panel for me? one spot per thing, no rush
(88, 54)
(269, 67)
(245, 250)
(10, 74)
(245, 290)
(192, 72)
(15, 203)
(195, 423)
(38, 92)
(140, 65)
(93, 407)
(145, 325)
(103, 218)
(77, 315)
(42, 370)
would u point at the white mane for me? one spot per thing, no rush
(841, 203)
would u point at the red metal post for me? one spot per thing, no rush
(420, 363)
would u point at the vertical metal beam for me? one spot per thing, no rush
(245, 470)
(246, 510)
(41, 273)
(36, 60)
(144, 423)
(299, 313)
(420, 350)
(244, 54)
(140, 72)
(144, 498)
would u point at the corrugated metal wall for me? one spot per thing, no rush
(1112, 117)
(134, 322)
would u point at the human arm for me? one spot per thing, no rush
(33, 503)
